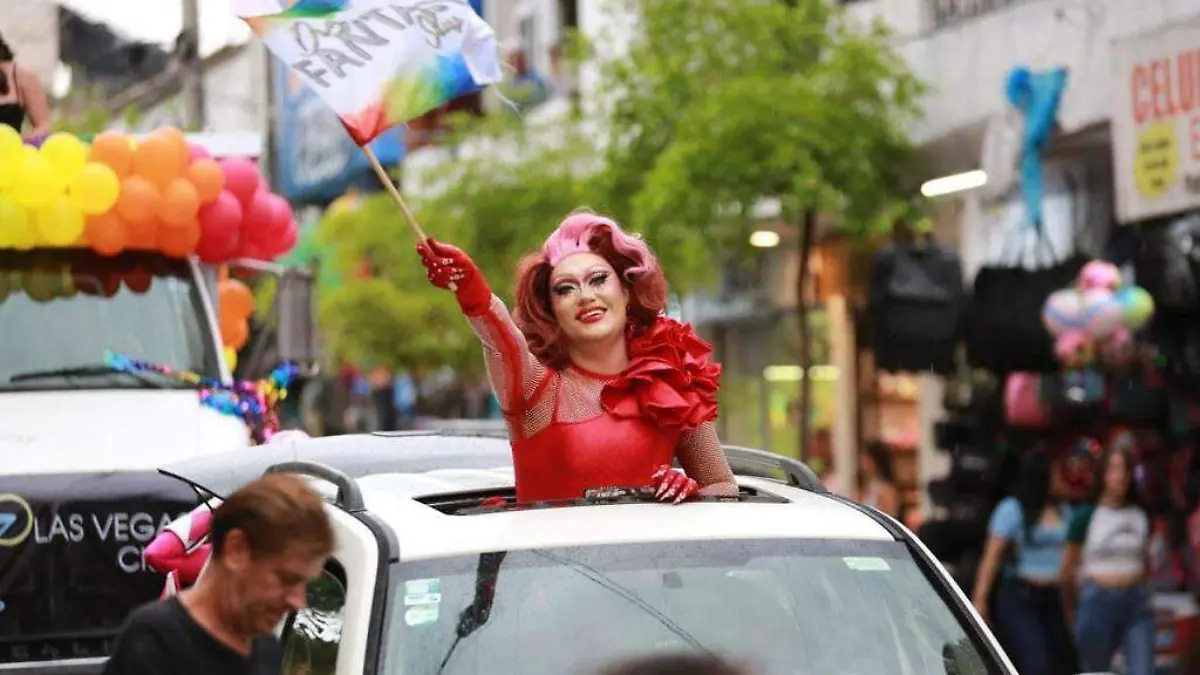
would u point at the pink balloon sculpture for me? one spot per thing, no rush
(1063, 312)
(1117, 348)
(1074, 350)
(1102, 312)
(1099, 274)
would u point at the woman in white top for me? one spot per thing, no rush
(1106, 561)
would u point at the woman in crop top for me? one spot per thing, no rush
(21, 96)
(1105, 561)
(1021, 560)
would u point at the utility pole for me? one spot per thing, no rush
(188, 52)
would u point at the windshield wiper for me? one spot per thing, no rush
(479, 611)
(596, 576)
(91, 371)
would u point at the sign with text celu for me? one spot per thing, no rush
(71, 558)
(1156, 122)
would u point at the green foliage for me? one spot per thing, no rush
(720, 103)
(717, 105)
(88, 115)
(498, 205)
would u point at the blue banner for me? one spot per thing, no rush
(315, 160)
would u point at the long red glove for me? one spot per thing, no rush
(673, 486)
(452, 269)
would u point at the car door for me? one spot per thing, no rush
(329, 636)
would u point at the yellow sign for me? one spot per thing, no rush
(16, 520)
(1156, 159)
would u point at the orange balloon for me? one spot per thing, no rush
(206, 176)
(235, 333)
(114, 151)
(158, 160)
(179, 142)
(137, 281)
(235, 297)
(180, 203)
(106, 233)
(223, 273)
(138, 202)
(142, 236)
(178, 241)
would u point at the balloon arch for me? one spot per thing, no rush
(159, 193)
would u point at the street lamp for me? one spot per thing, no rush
(764, 239)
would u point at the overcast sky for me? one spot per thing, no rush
(159, 21)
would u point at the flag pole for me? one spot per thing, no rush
(396, 196)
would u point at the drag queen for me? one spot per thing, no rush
(598, 387)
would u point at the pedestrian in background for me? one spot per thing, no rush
(269, 540)
(22, 96)
(1108, 546)
(1017, 583)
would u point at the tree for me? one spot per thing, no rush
(718, 105)
(497, 198)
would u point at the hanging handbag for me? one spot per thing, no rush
(1024, 405)
(1075, 396)
(1004, 324)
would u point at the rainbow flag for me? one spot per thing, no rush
(379, 63)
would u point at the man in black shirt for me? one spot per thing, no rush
(269, 540)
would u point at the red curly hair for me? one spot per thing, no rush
(629, 256)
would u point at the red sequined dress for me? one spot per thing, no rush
(573, 430)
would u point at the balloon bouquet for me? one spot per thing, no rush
(116, 194)
(1097, 317)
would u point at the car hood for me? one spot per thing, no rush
(109, 430)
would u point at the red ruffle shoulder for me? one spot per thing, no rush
(671, 381)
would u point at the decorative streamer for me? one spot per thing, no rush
(254, 402)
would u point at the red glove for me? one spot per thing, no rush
(673, 486)
(451, 269)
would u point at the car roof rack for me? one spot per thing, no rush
(349, 495)
(763, 464)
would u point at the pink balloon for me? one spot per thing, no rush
(197, 153)
(220, 229)
(286, 241)
(260, 219)
(1074, 349)
(1099, 274)
(241, 178)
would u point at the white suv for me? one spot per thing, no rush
(787, 579)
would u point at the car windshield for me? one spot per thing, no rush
(783, 607)
(60, 310)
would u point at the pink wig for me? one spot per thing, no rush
(586, 232)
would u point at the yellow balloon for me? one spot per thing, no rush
(231, 358)
(11, 145)
(95, 189)
(66, 153)
(59, 223)
(16, 228)
(12, 153)
(37, 184)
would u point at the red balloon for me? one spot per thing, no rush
(259, 224)
(284, 216)
(253, 251)
(197, 153)
(286, 241)
(241, 178)
(220, 228)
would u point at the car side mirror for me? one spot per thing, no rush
(296, 333)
